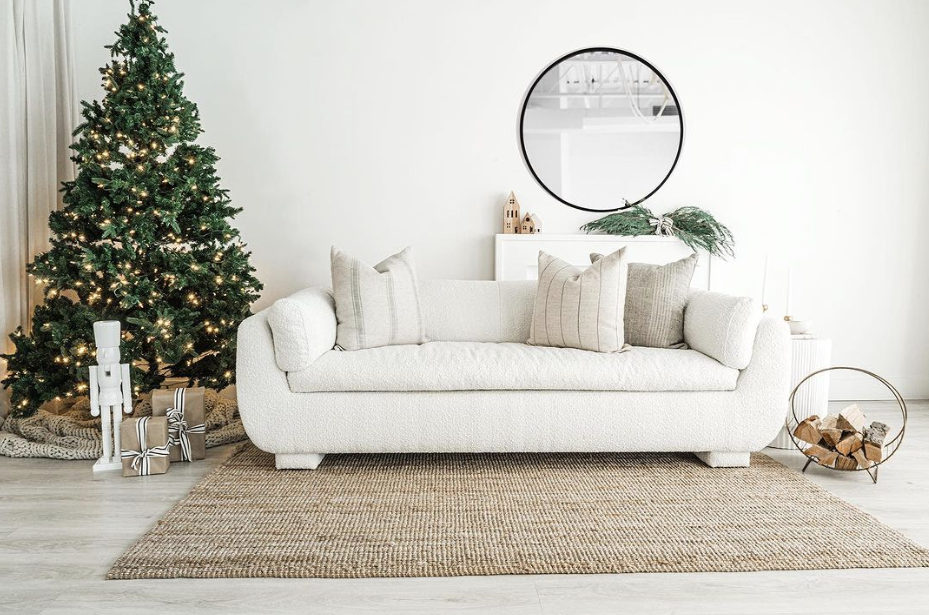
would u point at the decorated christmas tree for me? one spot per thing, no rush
(144, 238)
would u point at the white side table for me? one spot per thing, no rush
(808, 354)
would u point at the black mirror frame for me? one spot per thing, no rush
(522, 117)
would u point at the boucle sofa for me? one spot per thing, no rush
(477, 387)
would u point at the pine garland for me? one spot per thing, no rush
(694, 226)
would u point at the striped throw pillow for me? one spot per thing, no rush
(656, 296)
(577, 308)
(376, 306)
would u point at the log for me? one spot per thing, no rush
(849, 443)
(832, 437)
(851, 419)
(844, 462)
(823, 455)
(863, 461)
(874, 437)
(876, 433)
(808, 430)
(873, 452)
(829, 422)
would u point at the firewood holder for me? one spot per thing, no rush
(890, 448)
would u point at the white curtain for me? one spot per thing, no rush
(38, 111)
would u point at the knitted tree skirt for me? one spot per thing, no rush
(75, 434)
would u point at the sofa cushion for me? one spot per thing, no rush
(722, 326)
(477, 310)
(303, 326)
(580, 308)
(479, 366)
(655, 300)
(376, 306)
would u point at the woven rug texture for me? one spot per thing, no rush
(453, 515)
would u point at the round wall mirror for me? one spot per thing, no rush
(601, 127)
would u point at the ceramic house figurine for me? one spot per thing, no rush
(511, 215)
(531, 225)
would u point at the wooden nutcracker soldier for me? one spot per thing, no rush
(110, 392)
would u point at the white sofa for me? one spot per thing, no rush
(477, 387)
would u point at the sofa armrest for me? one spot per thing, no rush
(764, 386)
(721, 326)
(303, 326)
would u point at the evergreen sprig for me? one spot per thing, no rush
(696, 227)
(631, 222)
(144, 238)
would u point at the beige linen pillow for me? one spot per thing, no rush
(577, 308)
(376, 306)
(656, 296)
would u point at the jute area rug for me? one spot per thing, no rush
(450, 515)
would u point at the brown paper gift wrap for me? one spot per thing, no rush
(185, 412)
(145, 446)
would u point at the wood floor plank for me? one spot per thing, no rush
(61, 528)
(417, 596)
(27, 597)
(902, 590)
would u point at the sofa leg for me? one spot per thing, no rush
(306, 461)
(725, 460)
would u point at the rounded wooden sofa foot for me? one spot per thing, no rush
(725, 460)
(304, 461)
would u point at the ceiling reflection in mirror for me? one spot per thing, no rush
(601, 127)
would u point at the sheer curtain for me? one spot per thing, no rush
(38, 111)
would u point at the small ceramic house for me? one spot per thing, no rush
(511, 217)
(531, 225)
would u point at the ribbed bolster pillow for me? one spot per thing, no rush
(303, 326)
(722, 326)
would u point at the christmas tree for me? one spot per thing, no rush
(143, 238)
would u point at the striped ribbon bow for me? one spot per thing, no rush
(142, 460)
(178, 429)
(664, 226)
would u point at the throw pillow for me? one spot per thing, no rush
(577, 308)
(722, 326)
(376, 306)
(656, 296)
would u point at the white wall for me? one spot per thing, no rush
(374, 125)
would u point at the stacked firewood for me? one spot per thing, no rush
(842, 441)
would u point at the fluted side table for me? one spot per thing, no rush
(808, 354)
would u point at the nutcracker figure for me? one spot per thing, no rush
(110, 392)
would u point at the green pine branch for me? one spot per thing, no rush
(696, 227)
(629, 223)
(701, 231)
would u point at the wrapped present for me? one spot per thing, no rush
(185, 412)
(145, 446)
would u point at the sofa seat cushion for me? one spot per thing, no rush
(487, 366)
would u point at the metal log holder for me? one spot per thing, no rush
(890, 448)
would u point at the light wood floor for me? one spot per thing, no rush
(61, 528)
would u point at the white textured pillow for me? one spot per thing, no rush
(303, 327)
(722, 326)
(577, 308)
(376, 306)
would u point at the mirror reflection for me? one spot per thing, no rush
(600, 127)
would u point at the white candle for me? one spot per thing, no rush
(764, 283)
(789, 282)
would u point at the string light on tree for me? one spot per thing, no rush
(144, 237)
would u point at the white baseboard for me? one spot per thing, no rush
(860, 387)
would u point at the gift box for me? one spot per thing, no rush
(186, 425)
(145, 446)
